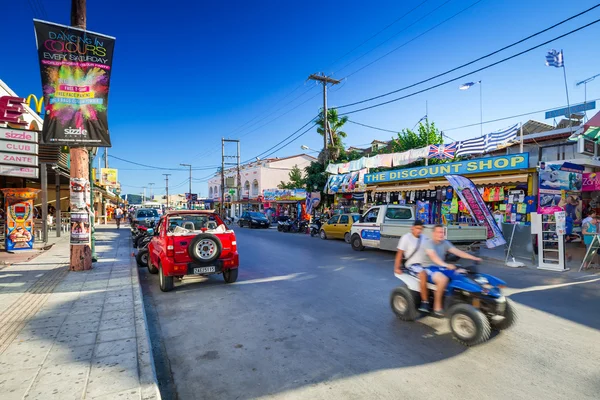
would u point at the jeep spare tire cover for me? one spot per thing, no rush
(205, 247)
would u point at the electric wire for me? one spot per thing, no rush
(472, 72)
(473, 61)
(160, 168)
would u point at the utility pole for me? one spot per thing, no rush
(167, 179)
(190, 192)
(81, 255)
(151, 193)
(106, 157)
(144, 195)
(324, 81)
(222, 177)
(239, 181)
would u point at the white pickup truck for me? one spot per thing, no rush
(382, 226)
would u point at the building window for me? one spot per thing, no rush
(210, 192)
(247, 187)
(255, 188)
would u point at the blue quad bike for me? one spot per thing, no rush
(473, 302)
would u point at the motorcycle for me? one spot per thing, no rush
(298, 226)
(142, 255)
(143, 232)
(473, 301)
(315, 227)
(282, 224)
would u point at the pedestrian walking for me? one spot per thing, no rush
(118, 216)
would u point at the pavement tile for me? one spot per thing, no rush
(68, 354)
(116, 323)
(116, 334)
(124, 312)
(20, 355)
(118, 306)
(77, 339)
(46, 321)
(90, 326)
(83, 318)
(113, 374)
(129, 394)
(86, 309)
(15, 382)
(46, 333)
(62, 381)
(115, 347)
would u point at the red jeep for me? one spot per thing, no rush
(192, 242)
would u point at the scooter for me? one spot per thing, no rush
(315, 227)
(142, 255)
(282, 224)
(473, 301)
(143, 232)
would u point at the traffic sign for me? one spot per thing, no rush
(574, 109)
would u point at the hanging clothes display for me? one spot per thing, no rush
(344, 168)
(385, 160)
(454, 206)
(332, 169)
(372, 162)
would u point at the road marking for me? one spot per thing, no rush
(308, 318)
(509, 291)
(270, 279)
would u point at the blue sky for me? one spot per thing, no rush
(186, 74)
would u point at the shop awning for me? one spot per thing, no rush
(489, 180)
(404, 188)
(495, 180)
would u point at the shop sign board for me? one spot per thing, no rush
(19, 172)
(75, 66)
(11, 110)
(109, 176)
(18, 147)
(18, 135)
(284, 194)
(591, 182)
(477, 166)
(576, 108)
(18, 159)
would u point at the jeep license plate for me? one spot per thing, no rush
(204, 270)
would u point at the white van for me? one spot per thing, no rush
(152, 204)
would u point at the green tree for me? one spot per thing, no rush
(315, 176)
(408, 139)
(296, 180)
(336, 124)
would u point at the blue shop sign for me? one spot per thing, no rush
(477, 166)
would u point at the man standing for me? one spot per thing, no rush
(410, 247)
(118, 216)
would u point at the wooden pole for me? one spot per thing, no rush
(81, 255)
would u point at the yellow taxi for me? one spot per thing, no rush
(338, 227)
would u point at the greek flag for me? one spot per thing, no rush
(490, 142)
(555, 59)
(499, 139)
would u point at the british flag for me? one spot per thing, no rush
(442, 151)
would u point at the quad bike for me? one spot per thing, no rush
(473, 303)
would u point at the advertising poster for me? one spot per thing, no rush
(560, 219)
(80, 228)
(75, 66)
(19, 224)
(79, 194)
(554, 179)
(471, 198)
(285, 195)
(591, 182)
(109, 176)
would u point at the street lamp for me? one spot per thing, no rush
(151, 194)
(584, 83)
(190, 200)
(467, 86)
(305, 147)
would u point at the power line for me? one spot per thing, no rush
(373, 127)
(285, 139)
(396, 34)
(291, 141)
(160, 168)
(474, 61)
(415, 38)
(380, 31)
(473, 72)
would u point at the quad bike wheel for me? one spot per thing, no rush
(506, 321)
(403, 304)
(469, 325)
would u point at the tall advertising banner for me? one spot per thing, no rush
(75, 66)
(109, 176)
(470, 196)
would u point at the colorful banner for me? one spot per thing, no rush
(480, 165)
(80, 228)
(558, 181)
(284, 194)
(19, 218)
(312, 201)
(591, 182)
(109, 176)
(471, 198)
(75, 66)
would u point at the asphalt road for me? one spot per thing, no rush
(310, 319)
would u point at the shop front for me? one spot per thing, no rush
(285, 202)
(504, 182)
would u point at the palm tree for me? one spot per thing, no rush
(335, 129)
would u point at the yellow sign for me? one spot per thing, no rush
(37, 103)
(109, 176)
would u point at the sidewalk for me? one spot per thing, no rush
(79, 335)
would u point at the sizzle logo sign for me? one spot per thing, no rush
(76, 131)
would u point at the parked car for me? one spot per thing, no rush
(253, 219)
(338, 227)
(147, 217)
(192, 242)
